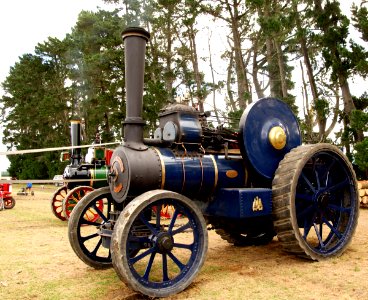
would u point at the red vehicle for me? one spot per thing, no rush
(6, 199)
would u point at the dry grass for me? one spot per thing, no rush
(37, 262)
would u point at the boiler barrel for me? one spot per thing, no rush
(194, 175)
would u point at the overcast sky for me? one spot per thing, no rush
(25, 23)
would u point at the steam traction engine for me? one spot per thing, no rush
(87, 175)
(249, 186)
(6, 199)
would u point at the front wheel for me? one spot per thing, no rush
(57, 202)
(89, 216)
(315, 201)
(73, 197)
(9, 203)
(168, 251)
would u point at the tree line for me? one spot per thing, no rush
(82, 75)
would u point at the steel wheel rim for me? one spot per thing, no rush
(93, 239)
(159, 253)
(57, 202)
(73, 197)
(324, 203)
(8, 203)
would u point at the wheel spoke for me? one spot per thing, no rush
(317, 180)
(181, 229)
(318, 233)
(325, 175)
(176, 261)
(339, 208)
(98, 245)
(333, 229)
(158, 216)
(337, 186)
(133, 260)
(308, 183)
(307, 226)
(149, 266)
(184, 246)
(88, 237)
(100, 213)
(148, 224)
(165, 275)
(173, 220)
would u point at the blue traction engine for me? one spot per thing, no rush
(249, 185)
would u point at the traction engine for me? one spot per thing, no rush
(6, 199)
(82, 177)
(249, 186)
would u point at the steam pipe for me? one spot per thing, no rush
(75, 138)
(135, 40)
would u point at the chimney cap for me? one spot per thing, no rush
(136, 31)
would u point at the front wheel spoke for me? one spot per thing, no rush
(98, 245)
(88, 237)
(148, 224)
(333, 229)
(181, 229)
(158, 215)
(184, 246)
(176, 261)
(165, 275)
(149, 266)
(173, 220)
(100, 213)
(142, 255)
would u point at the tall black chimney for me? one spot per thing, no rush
(135, 40)
(75, 137)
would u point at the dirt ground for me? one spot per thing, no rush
(37, 262)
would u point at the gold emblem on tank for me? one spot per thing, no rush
(231, 173)
(257, 204)
(277, 137)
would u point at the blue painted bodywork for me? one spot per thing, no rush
(190, 128)
(239, 203)
(198, 176)
(214, 177)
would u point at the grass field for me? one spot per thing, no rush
(37, 262)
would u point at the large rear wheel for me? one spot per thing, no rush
(315, 201)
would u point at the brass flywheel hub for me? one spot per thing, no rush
(277, 137)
